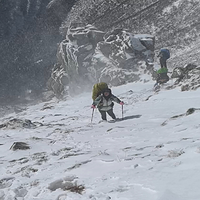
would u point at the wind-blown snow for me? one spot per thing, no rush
(151, 155)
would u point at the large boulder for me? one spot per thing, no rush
(89, 55)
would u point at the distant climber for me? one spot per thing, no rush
(164, 54)
(162, 76)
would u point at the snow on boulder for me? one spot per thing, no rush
(188, 77)
(89, 55)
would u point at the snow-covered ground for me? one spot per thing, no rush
(151, 155)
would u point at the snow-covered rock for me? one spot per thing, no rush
(188, 77)
(89, 55)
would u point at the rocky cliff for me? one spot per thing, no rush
(33, 32)
(89, 55)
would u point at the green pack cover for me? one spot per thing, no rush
(162, 70)
(98, 88)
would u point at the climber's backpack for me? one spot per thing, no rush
(97, 89)
(166, 53)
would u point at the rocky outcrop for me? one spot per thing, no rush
(29, 34)
(89, 55)
(188, 77)
(16, 123)
(188, 112)
(19, 146)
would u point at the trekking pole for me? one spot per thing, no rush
(122, 112)
(92, 114)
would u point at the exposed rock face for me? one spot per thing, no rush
(19, 146)
(89, 55)
(15, 123)
(167, 20)
(187, 77)
(29, 34)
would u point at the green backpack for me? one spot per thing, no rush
(98, 88)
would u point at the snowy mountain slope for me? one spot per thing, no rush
(174, 23)
(153, 155)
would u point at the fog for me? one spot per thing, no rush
(29, 34)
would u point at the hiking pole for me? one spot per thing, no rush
(122, 112)
(92, 114)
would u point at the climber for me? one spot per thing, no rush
(164, 54)
(104, 103)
